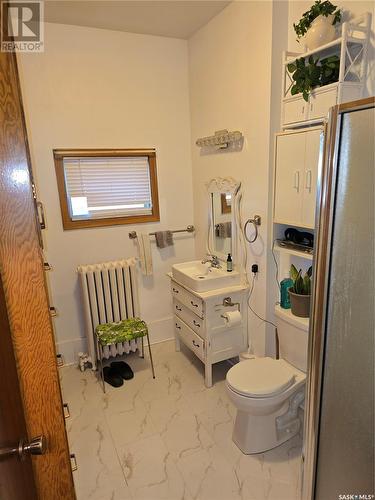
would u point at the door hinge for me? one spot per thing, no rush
(33, 188)
(73, 462)
(53, 311)
(60, 360)
(66, 410)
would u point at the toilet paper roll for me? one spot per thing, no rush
(232, 318)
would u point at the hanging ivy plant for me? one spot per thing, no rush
(307, 76)
(330, 68)
(319, 8)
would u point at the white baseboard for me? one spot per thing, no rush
(70, 349)
(161, 330)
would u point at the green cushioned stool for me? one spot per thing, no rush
(122, 331)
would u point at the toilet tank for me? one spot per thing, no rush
(293, 337)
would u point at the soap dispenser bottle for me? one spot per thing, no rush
(229, 263)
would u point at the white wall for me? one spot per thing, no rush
(350, 9)
(94, 88)
(99, 88)
(230, 86)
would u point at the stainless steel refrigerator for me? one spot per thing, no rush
(339, 422)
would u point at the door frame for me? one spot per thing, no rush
(315, 357)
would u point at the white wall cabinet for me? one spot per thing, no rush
(296, 171)
(199, 324)
(296, 111)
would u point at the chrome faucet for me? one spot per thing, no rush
(214, 261)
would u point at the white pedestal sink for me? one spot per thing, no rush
(202, 277)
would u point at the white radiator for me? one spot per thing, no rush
(110, 293)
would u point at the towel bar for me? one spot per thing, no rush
(189, 229)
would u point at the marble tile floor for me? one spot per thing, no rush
(168, 438)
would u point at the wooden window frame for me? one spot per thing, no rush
(69, 223)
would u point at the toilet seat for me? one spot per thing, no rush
(261, 377)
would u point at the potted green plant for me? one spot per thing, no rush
(317, 24)
(300, 292)
(307, 76)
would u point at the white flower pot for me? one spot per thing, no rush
(320, 32)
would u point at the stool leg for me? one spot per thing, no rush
(149, 350)
(101, 366)
(142, 355)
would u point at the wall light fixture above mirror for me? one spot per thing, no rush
(221, 140)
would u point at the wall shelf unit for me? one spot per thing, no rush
(351, 48)
(290, 251)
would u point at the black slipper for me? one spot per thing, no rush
(123, 369)
(112, 377)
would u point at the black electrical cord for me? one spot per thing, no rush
(277, 267)
(262, 319)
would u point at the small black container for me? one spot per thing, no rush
(229, 263)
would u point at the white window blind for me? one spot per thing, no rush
(102, 187)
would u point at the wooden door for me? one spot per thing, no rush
(29, 334)
(16, 476)
(290, 158)
(310, 178)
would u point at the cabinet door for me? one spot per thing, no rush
(294, 110)
(310, 178)
(290, 160)
(320, 102)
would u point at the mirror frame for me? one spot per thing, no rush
(224, 185)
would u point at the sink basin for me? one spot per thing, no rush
(202, 277)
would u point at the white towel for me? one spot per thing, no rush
(144, 251)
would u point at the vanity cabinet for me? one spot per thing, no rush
(296, 170)
(199, 324)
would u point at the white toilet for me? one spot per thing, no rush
(268, 392)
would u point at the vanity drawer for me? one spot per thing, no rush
(191, 301)
(191, 319)
(189, 338)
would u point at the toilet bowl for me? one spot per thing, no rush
(267, 392)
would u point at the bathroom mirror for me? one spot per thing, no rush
(223, 204)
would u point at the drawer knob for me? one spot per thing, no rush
(195, 344)
(196, 323)
(178, 327)
(175, 290)
(192, 303)
(178, 308)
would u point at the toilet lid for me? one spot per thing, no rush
(260, 377)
